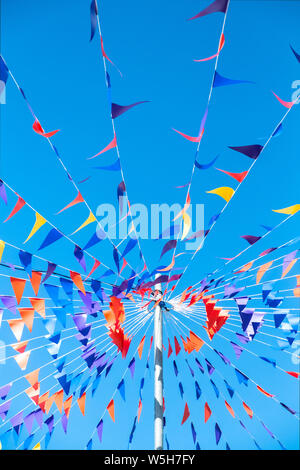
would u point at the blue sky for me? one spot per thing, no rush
(47, 48)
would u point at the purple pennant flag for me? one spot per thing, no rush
(100, 430)
(215, 7)
(78, 253)
(28, 421)
(267, 251)
(17, 421)
(3, 192)
(210, 367)
(251, 239)
(241, 302)
(251, 151)
(50, 423)
(268, 430)
(243, 339)
(64, 422)
(168, 246)
(86, 299)
(237, 349)
(38, 414)
(131, 367)
(4, 391)
(9, 302)
(288, 259)
(218, 433)
(50, 270)
(117, 110)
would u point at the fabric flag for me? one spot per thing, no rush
(117, 110)
(186, 414)
(39, 306)
(81, 402)
(168, 246)
(18, 286)
(295, 53)
(39, 130)
(4, 72)
(190, 138)
(237, 176)
(111, 145)
(91, 218)
(286, 104)
(262, 270)
(75, 201)
(51, 237)
(19, 204)
(76, 278)
(94, 13)
(27, 315)
(288, 262)
(50, 269)
(186, 225)
(140, 347)
(95, 266)
(219, 80)
(225, 192)
(2, 186)
(264, 392)
(218, 433)
(116, 166)
(26, 259)
(291, 210)
(251, 151)
(215, 7)
(16, 327)
(206, 165)
(221, 45)
(39, 222)
(207, 412)
(79, 255)
(2, 246)
(22, 360)
(251, 239)
(229, 409)
(111, 409)
(100, 430)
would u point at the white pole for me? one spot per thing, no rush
(158, 375)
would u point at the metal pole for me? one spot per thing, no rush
(158, 376)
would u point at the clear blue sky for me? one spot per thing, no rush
(46, 45)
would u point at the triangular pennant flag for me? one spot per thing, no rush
(225, 192)
(75, 201)
(36, 281)
(39, 306)
(27, 315)
(76, 278)
(186, 414)
(111, 409)
(22, 359)
(39, 222)
(207, 412)
(81, 403)
(18, 286)
(19, 204)
(91, 218)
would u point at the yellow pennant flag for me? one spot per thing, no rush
(2, 246)
(224, 191)
(37, 447)
(91, 218)
(291, 210)
(39, 221)
(186, 225)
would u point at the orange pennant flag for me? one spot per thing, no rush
(262, 271)
(22, 359)
(75, 201)
(67, 406)
(207, 412)
(297, 288)
(33, 394)
(186, 414)
(43, 401)
(36, 281)
(27, 315)
(229, 409)
(111, 409)
(139, 410)
(16, 327)
(76, 278)
(33, 378)
(81, 403)
(141, 346)
(248, 410)
(58, 399)
(18, 286)
(39, 306)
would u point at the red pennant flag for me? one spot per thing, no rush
(177, 346)
(170, 350)
(111, 409)
(110, 146)
(264, 392)
(39, 130)
(76, 278)
(248, 410)
(96, 266)
(20, 203)
(237, 176)
(141, 346)
(294, 374)
(186, 414)
(207, 412)
(75, 201)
